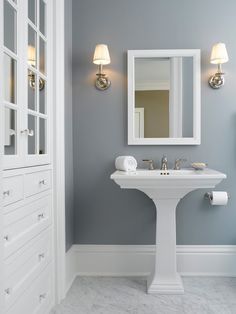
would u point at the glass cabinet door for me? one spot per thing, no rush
(11, 104)
(37, 81)
(26, 80)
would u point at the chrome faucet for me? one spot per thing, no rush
(150, 162)
(178, 163)
(164, 162)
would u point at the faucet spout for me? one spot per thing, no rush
(164, 163)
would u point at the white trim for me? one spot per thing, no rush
(1, 160)
(196, 139)
(71, 268)
(140, 112)
(59, 150)
(175, 99)
(138, 260)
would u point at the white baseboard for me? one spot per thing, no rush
(71, 268)
(138, 260)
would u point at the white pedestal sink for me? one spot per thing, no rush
(166, 188)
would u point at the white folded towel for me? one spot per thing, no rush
(126, 163)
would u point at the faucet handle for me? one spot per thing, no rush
(178, 162)
(150, 162)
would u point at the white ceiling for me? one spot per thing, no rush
(152, 73)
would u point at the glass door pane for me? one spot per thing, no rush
(10, 79)
(42, 136)
(32, 138)
(42, 96)
(32, 47)
(42, 55)
(32, 90)
(9, 27)
(42, 17)
(10, 132)
(32, 11)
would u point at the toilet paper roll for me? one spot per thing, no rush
(219, 198)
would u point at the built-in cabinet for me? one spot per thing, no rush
(27, 96)
(27, 202)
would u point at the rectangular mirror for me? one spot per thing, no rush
(164, 102)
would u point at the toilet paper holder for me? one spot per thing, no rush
(208, 196)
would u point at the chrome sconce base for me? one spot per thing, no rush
(32, 82)
(217, 80)
(102, 82)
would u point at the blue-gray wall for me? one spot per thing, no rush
(105, 214)
(69, 178)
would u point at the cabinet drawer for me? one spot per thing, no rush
(37, 182)
(13, 189)
(24, 223)
(23, 267)
(37, 299)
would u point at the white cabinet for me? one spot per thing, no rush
(26, 212)
(38, 298)
(27, 90)
(12, 189)
(27, 233)
(25, 265)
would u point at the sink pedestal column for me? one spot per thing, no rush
(165, 279)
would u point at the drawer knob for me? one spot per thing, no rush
(42, 297)
(28, 132)
(43, 182)
(8, 291)
(6, 238)
(41, 256)
(6, 193)
(41, 216)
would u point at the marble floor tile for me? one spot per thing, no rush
(107, 295)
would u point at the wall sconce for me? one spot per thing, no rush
(31, 75)
(101, 57)
(219, 56)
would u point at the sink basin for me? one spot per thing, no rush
(183, 173)
(166, 188)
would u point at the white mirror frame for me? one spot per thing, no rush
(195, 53)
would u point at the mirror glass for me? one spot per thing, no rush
(162, 99)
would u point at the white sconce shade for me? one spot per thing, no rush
(31, 56)
(219, 54)
(101, 55)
